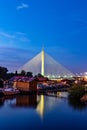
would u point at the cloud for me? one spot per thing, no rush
(7, 35)
(22, 6)
(24, 39)
(17, 36)
(20, 33)
(10, 57)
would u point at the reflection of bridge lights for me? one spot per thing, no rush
(59, 94)
(40, 107)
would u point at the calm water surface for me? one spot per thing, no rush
(39, 112)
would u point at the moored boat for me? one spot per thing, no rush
(9, 91)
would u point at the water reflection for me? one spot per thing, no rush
(20, 101)
(5, 99)
(58, 94)
(40, 102)
(1, 102)
(40, 106)
(76, 104)
(25, 101)
(21, 112)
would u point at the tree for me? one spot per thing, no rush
(3, 72)
(76, 92)
(9, 75)
(39, 75)
(29, 74)
(16, 73)
(22, 73)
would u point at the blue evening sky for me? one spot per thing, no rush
(59, 25)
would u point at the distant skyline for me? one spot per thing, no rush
(59, 25)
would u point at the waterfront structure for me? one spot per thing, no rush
(46, 65)
(26, 85)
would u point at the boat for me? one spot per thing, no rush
(8, 91)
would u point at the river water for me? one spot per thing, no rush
(42, 112)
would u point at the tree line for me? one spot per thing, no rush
(5, 75)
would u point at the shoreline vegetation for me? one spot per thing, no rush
(76, 86)
(76, 91)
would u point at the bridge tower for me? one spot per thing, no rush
(42, 62)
